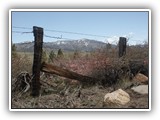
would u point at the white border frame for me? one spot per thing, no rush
(76, 10)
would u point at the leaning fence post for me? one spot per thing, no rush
(122, 46)
(38, 42)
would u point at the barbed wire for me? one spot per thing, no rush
(68, 32)
(21, 32)
(52, 36)
(48, 36)
(21, 27)
(55, 37)
(62, 38)
(77, 33)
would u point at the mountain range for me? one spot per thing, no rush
(65, 45)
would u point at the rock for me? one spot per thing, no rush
(141, 89)
(116, 98)
(141, 78)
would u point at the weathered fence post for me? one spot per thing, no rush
(122, 46)
(38, 42)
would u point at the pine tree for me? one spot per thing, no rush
(60, 53)
(52, 55)
(108, 45)
(44, 56)
(76, 54)
(14, 50)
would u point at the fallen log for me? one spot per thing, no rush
(50, 68)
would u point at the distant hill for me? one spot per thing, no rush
(68, 45)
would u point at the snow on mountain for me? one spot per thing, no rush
(66, 45)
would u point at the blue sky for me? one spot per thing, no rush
(113, 25)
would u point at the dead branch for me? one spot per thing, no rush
(49, 68)
(22, 82)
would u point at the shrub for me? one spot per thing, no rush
(52, 55)
(60, 53)
(20, 63)
(44, 56)
(76, 54)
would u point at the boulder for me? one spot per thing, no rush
(141, 78)
(116, 98)
(141, 89)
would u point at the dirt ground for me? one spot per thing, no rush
(57, 95)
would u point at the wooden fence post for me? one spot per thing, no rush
(122, 46)
(38, 42)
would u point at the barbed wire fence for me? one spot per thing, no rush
(22, 30)
(39, 33)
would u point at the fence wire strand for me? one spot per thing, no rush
(66, 32)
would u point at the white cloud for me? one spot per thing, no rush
(115, 39)
(112, 40)
(129, 35)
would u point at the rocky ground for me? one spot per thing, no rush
(60, 94)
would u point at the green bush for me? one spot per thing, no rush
(60, 54)
(52, 55)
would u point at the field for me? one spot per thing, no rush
(61, 92)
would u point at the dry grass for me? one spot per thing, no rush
(20, 63)
(59, 92)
